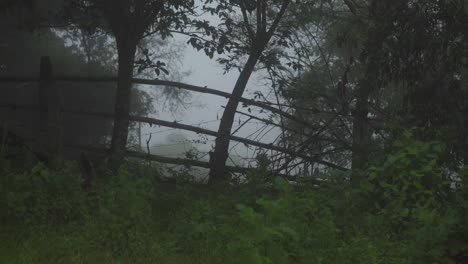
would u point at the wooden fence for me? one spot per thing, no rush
(50, 129)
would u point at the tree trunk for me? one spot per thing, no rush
(361, 129)
(126, 47)
(464, 137)
(218, 172)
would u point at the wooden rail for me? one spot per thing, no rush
(158, 82)
(199, 130)
(178, 161)
(50, 79)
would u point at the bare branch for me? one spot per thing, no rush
(245, 17)
(350, 4)
(278, 17)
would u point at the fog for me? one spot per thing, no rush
(206, 110)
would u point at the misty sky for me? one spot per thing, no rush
(208, 108)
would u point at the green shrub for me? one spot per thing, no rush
(406, 212)
(42, 196)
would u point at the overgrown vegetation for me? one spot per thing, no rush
(407, 211)
(374, 89)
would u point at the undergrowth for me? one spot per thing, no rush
(407, 211)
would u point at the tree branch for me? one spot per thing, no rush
(278, 17)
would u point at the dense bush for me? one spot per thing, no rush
(407, 211)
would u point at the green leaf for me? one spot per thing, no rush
(283, 185)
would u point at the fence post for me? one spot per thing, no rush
(50, 121)
(4, 134)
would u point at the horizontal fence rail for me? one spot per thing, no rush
(293, 152)
(180, 161)
(158, 82)
(199, 130)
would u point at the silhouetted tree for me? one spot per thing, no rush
(248, 35)
(129, 22)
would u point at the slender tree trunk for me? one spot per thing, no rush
(361, 129)
(126, 47)
(139, 136)
(218, 172)
(465, 134)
